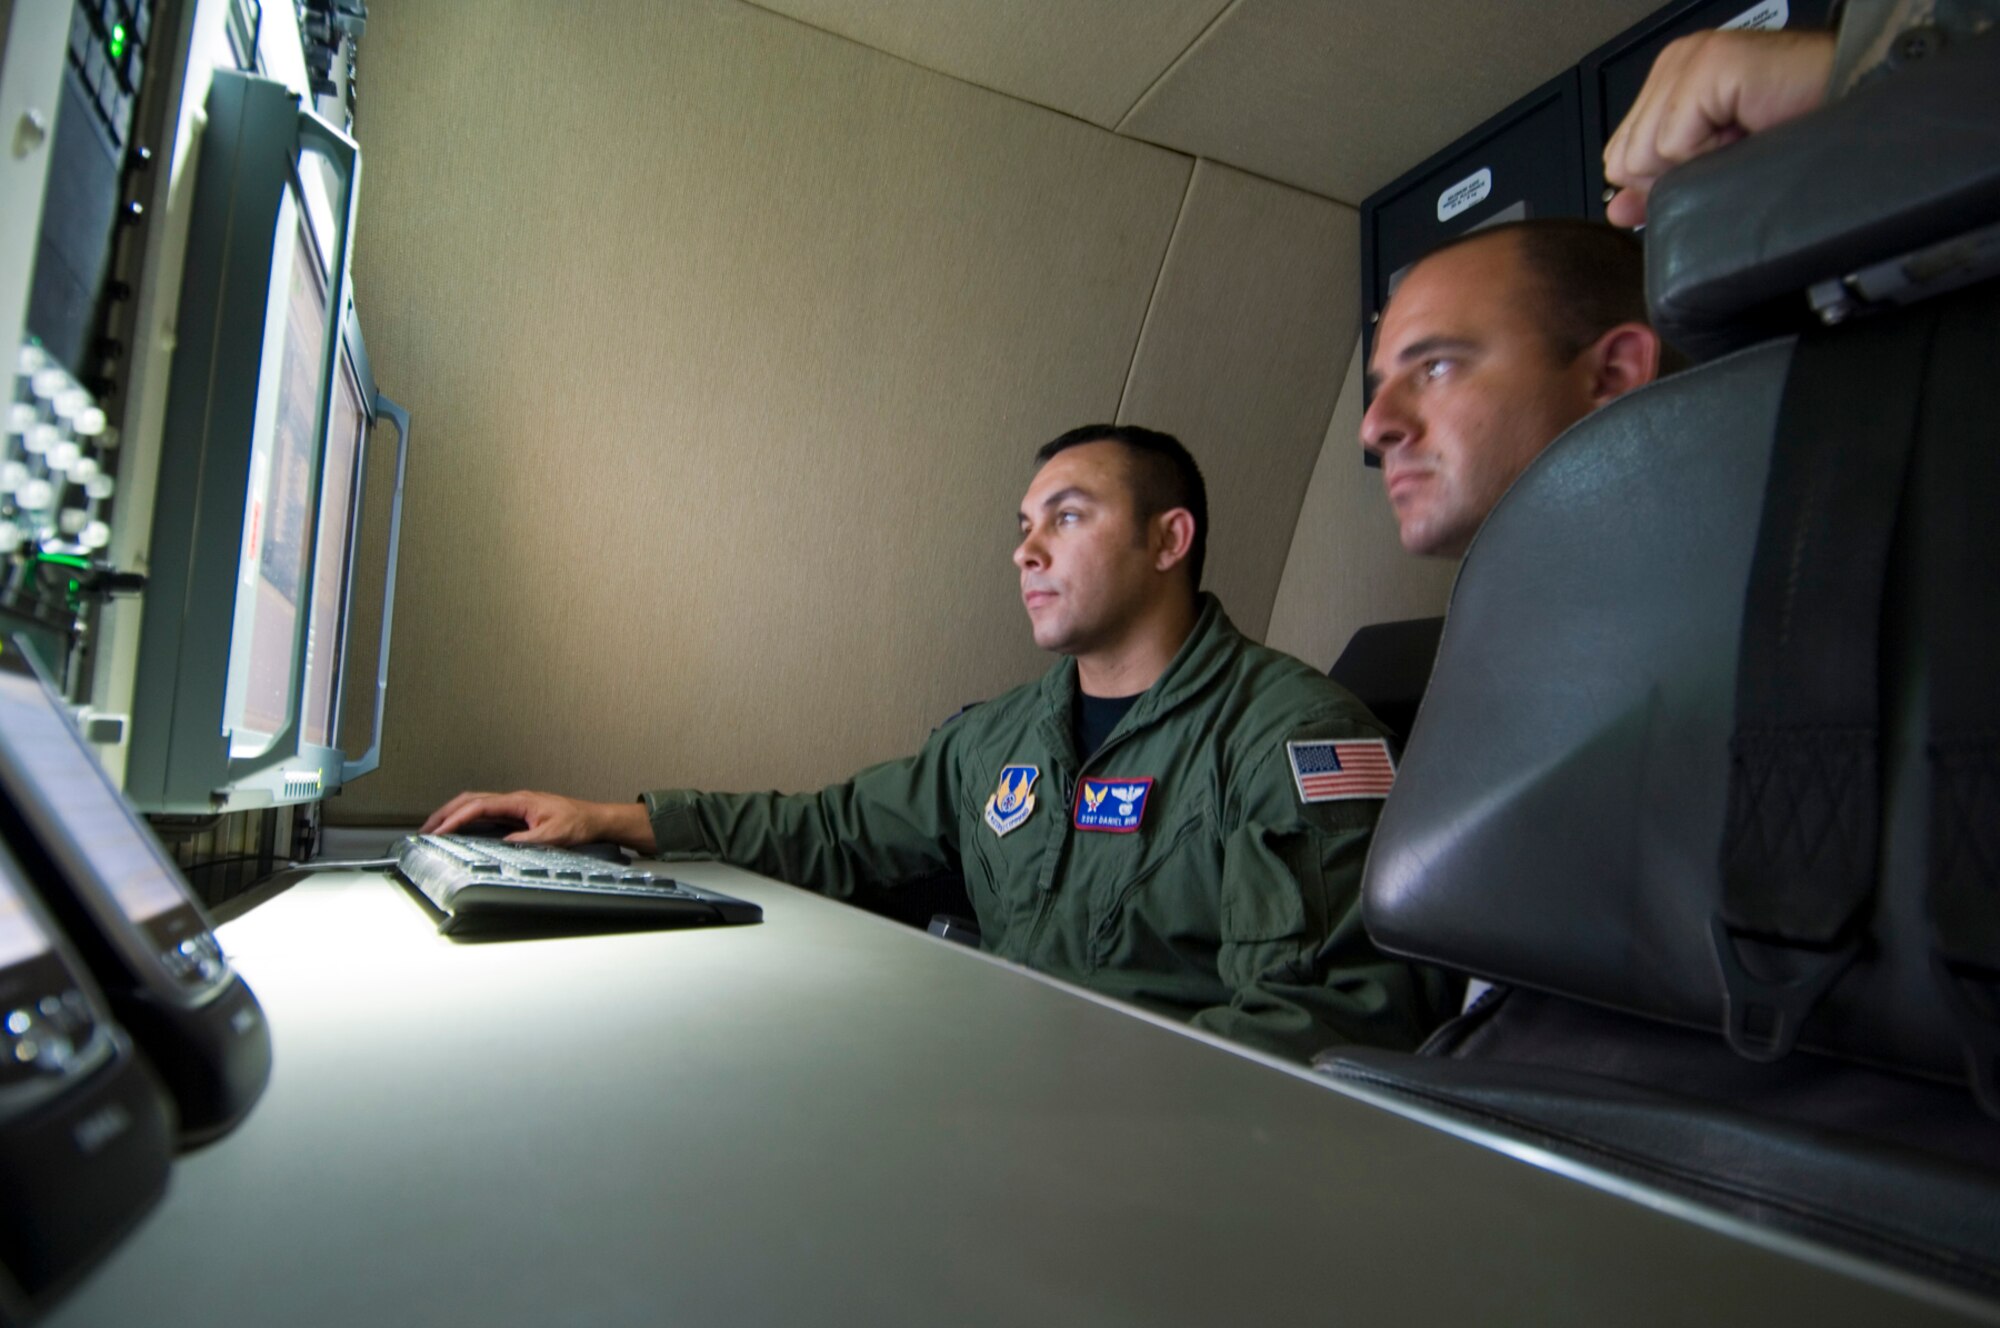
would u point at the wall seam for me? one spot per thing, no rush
(1153, 296)
(1299, 518)
(1174, 64)
(1117, 130)
(1015, 97)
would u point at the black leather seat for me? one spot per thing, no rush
(1559, 820)
(1387, 666)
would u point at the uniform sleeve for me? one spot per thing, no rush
(891, 823)
(1302, 970)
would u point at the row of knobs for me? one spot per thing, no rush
(55, 462)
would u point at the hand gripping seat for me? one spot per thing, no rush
(1708, 773)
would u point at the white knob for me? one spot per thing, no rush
(41, 438)
(89, 422)
(37, 494)
(95, 535)
(31, 132)
(97, 486)
(12, 476)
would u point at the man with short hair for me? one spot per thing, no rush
(1173, 815)
(1492, 345)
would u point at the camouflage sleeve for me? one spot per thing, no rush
(1304, 974)
(891, 823)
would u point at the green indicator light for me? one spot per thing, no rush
(117, 47)
(61, 559)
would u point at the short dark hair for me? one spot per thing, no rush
(1590, 275)
(1164, 477)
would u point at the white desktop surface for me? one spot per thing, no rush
(827, 1118)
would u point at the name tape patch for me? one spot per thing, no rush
(1115, 806)
(1338, 769)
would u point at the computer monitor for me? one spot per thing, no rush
(287, 451)
(244, 628)
(328, 683)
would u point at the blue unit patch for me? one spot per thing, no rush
(1113, 805)
(1013, 800)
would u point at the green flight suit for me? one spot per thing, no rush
(1234, 904)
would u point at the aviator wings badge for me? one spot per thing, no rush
(1013, 800)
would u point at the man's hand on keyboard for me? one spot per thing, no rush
(550, 819)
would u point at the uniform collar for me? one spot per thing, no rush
(1205, 653)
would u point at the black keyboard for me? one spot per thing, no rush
(487, 883)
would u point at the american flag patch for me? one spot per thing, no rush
(1344, 768)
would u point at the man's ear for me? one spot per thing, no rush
(1173, 537)
(1625, 357)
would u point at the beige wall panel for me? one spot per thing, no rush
(727, 344)
(1088, 58)
(1342, 98)
(1241, 357)
(1346, 569)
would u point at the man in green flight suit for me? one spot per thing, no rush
(1173, 815)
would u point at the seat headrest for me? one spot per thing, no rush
(1905, 170)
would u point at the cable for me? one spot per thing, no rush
(272, 858)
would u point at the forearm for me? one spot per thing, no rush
(1359, 997)
(627, 823)
(889, 824)
(1300, 968)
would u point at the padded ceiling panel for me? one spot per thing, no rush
(1241, 357)
(1342, 98)
(1089, 58)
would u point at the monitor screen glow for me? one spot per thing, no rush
(278, 522)
(336, 530)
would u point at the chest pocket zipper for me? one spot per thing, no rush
(1105, 931)
(987, 875)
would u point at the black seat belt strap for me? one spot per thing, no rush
(1957, 485)
(1800, 843)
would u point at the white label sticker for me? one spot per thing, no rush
(1763, 18)
(1465, 193)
